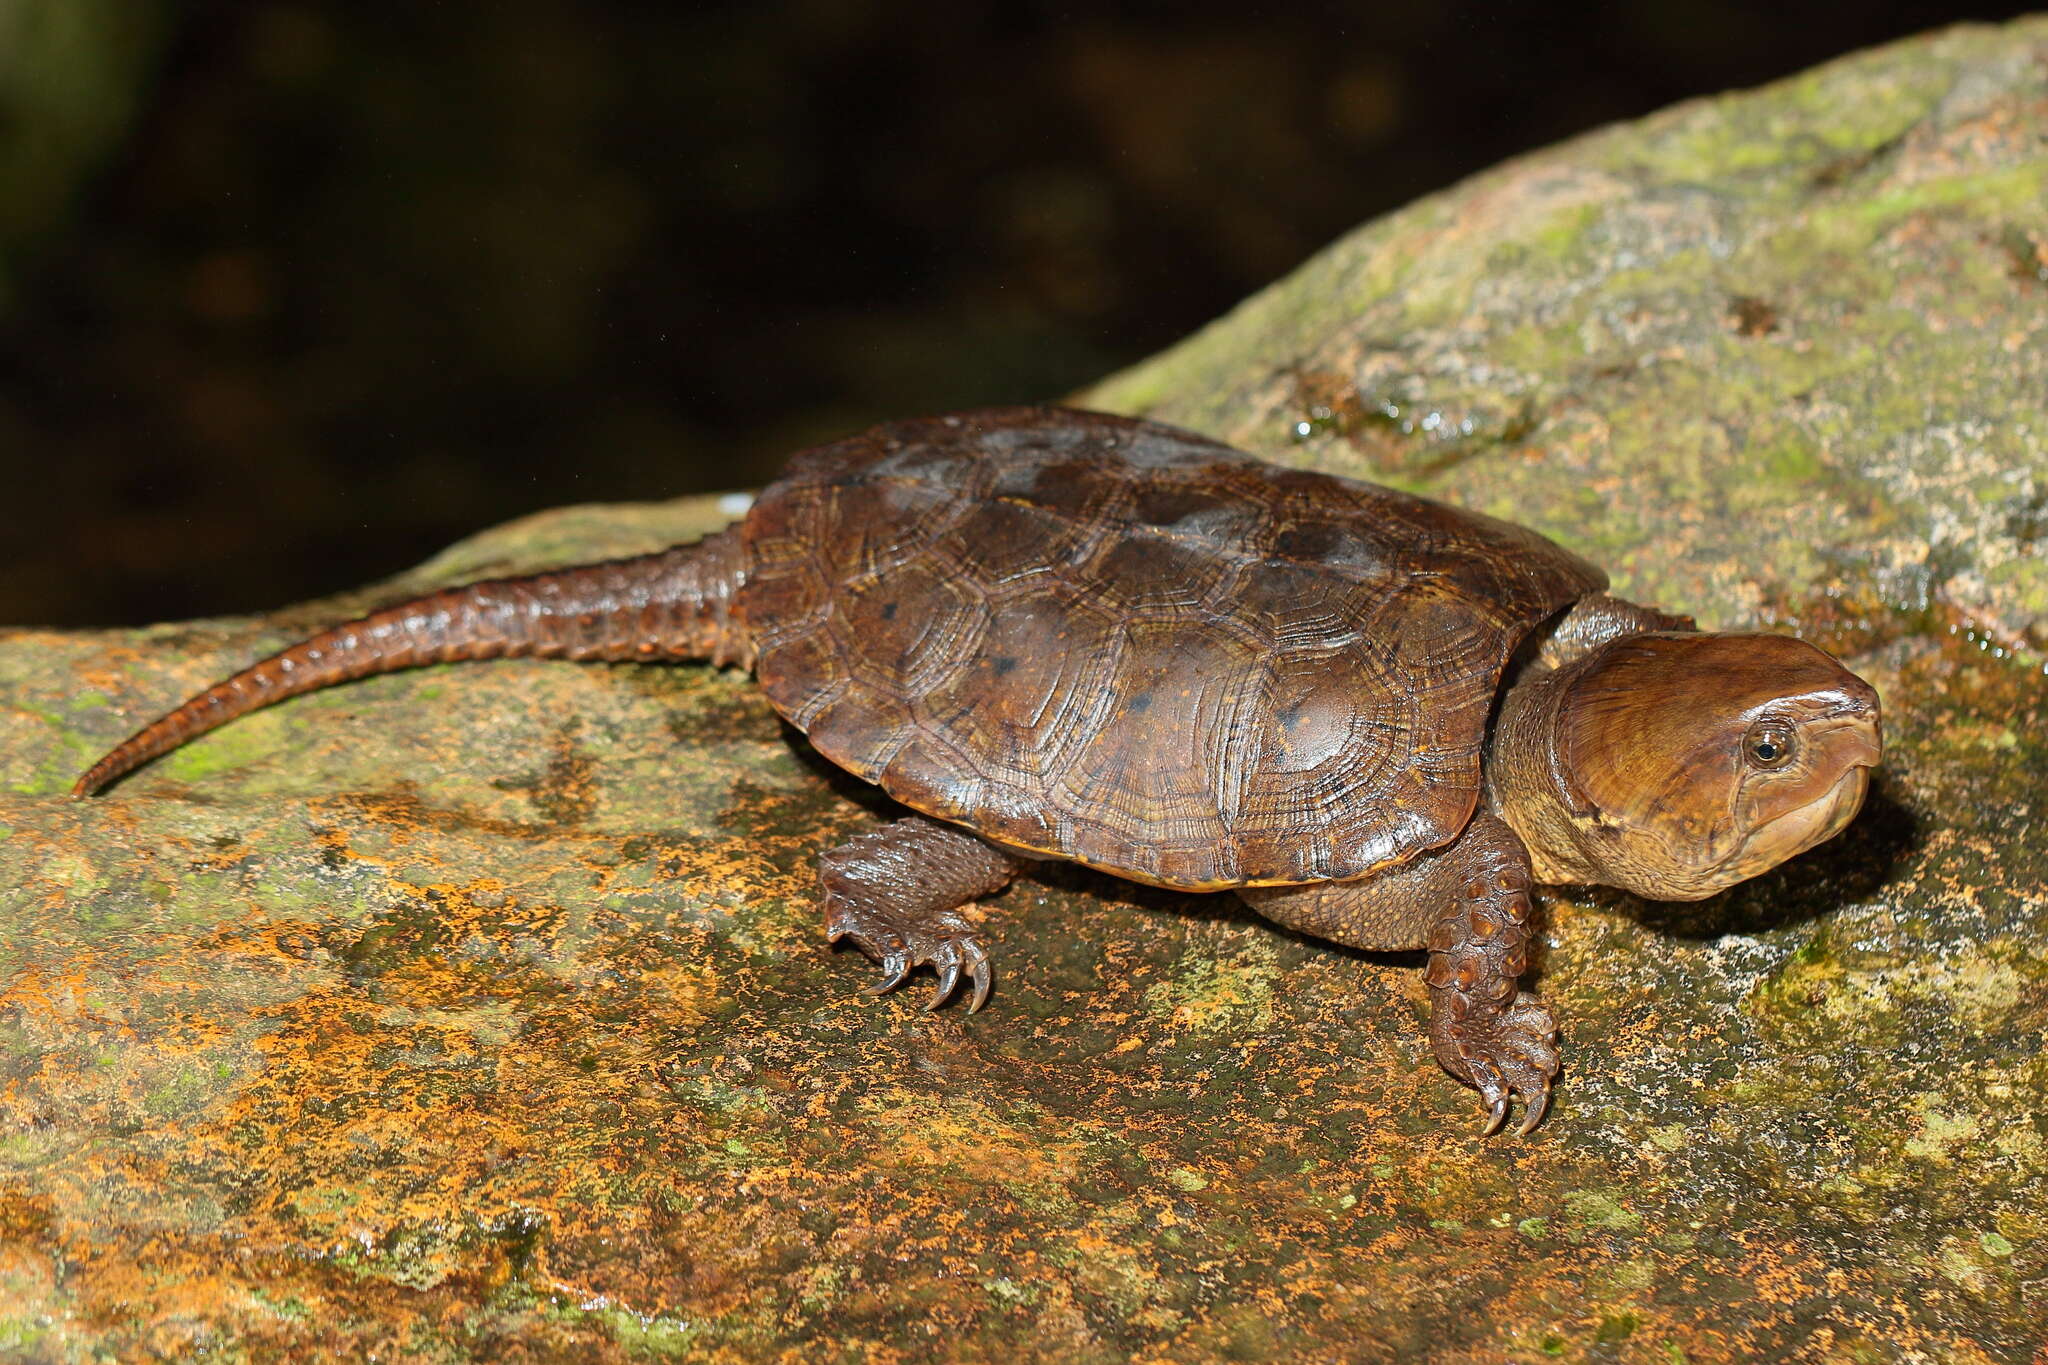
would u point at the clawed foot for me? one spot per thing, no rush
(1502, 1052)
(943, 939)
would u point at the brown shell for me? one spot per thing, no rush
(1128, 645)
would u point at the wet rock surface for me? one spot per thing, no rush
(482, 1012)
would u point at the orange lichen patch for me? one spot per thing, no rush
(1779, 1274)
(362, 1090)
(961, 1139)
(735, 869)
(57, 992)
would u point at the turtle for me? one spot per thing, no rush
(1057, 634)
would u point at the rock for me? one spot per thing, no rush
(482, 1012)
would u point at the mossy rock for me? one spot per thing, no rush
(482, 1012)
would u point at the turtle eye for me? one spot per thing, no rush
(1768, 744)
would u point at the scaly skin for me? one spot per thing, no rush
(896, 892)
(1101, 609)
(676, 604)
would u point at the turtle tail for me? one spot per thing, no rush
(672, 605)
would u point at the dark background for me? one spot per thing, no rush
(350, 280)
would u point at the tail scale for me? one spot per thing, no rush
(672, 605)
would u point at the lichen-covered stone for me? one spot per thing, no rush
(482, 1012)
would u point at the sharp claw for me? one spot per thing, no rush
(1538, 1106)
(949, 981)
(983, 978)
(1496, 1116)
(899, 972)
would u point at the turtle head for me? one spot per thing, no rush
(1687, 763)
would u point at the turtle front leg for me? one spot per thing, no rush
(1468, 904)
(897, 892)
(1488, 1033)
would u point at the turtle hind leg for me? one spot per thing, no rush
(897, 891)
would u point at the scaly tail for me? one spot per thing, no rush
(676, 604)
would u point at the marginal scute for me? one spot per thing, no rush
(1124, 644)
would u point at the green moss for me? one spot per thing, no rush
(1671, 1137)
(185, 1090)
(1558, 239)
(286, 1308)
(2025, 581)
(1822, 119)
(24, 1335)
(2019, 189)
(1595, 1211)
(659, 1338)
(1616, 1327)
(1790, 461)
(233, 746)
(1219, 995)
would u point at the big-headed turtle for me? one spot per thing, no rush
(1059, 634)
